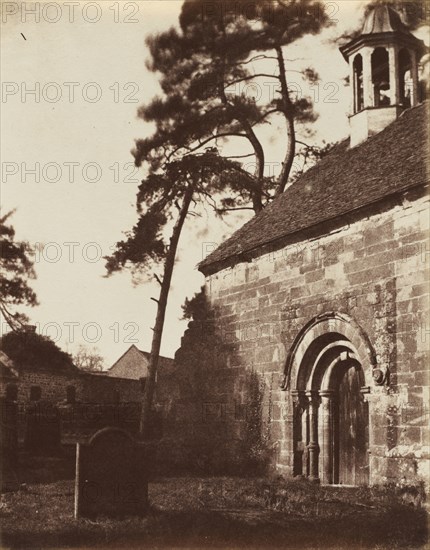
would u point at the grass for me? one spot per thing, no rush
(213, 512)
(220, 512)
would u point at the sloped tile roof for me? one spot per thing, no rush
(394, 160)
(163, 362)
(133, 364)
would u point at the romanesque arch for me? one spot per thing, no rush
(330, 370)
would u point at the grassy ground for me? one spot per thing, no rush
(216, 513)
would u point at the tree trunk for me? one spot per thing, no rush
(289, 156)
(148, 396)
(257, 194)
(287, 110)
(257, 203)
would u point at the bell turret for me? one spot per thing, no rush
(383, 62)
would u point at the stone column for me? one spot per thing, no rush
(299, 432)
(305, 431)
(326, 436)
(369, 398)
(414, 74)
(368, 94)
(353, 87)
(313, 447)
(393, 62)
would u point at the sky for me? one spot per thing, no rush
(73, 77)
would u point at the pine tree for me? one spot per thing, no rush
(215, 49)
(16, 269)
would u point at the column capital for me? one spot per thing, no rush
(328, 394)
(366, 52)
(313, 396)
(298, 396)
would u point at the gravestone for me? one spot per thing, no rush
(111, 475)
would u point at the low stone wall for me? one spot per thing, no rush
(101, 388)
(8, 444)
(81, 420)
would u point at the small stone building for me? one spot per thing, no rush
(60, 385)
(133, 364)
(82, 402)
(313, 358)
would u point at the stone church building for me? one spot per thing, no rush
(313, 356)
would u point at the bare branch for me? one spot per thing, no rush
(12, 320)
(256, 58)
(266, 115)
(239, 156)
(250, 77)
(311, 147)
(234, 209)
(204, 142)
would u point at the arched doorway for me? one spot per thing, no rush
(330, 370)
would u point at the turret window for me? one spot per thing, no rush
(380, 77)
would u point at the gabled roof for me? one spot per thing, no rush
(344, 181)
(162, 361)
(134, 370)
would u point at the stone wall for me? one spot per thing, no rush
(99, 400)
(79, 421)
(9, 445)
(373, 270)
(98, 388)
(89, 388)
(53, 386)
